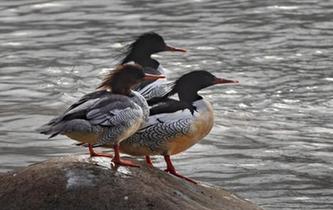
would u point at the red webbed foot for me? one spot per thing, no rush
(94, 154)
(171, 169)
(120, 162)
(173, 172)
(148, 161)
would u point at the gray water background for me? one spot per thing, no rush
(272, 141)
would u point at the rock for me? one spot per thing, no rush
(81, 182)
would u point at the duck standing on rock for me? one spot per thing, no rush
(175, 125)
(107, 116)
(140, 52)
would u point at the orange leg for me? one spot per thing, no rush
(148, 161)
(116, 159)
(94, 154)
(171, 169)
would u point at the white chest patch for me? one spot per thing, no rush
(203, 118)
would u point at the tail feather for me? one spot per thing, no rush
(53, 135)
(77, 125)
(48, 130)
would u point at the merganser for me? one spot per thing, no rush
(175, 125)
(140, 52)
(106, 116)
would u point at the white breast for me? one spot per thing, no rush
(201, 124)
(203, 119)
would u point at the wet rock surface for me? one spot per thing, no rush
(81, 182)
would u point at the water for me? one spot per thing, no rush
(272, 141)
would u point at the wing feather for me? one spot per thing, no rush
(161, 128)
(100, 109)
(156, 89)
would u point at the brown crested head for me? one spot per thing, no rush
(124, 77)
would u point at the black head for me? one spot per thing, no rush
(189, 84)
(146, 45)
(187, 87)
(195, 80)
(126, 76)
(150, 43)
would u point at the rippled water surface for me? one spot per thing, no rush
(273, 137)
